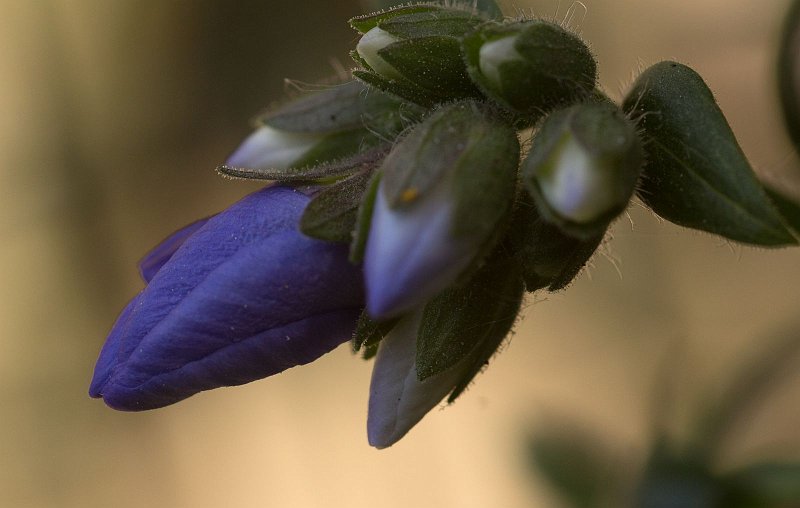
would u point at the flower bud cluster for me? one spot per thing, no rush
(416, 223)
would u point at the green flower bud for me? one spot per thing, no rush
(306, 138)
(414, 52)
(583, 167)
(530, 67)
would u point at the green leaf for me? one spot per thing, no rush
(548, 257)
(369, 333)
(696, 174)
(788, 75)
(463, 320)
(364, 219)
(331, 214)
(789, 208)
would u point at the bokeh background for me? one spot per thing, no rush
(114, 115)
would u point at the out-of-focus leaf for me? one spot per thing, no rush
(573, 465)
(789, 73)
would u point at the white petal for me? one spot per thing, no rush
(269, 148)
(397, 399)
(493, 54)
(368, 47)
(577, 186)
(411, 254)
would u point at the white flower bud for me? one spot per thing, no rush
(577, 185)
(397, 398)
(373, 41)
(493, 54)
(270, 148)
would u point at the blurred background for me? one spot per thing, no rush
(115, 114)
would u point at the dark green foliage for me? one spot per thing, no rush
(461, 320)
(331, 215)
(696, 174)
(789, 73)
(548, 257)
(789, 208)
(369, 333)
(570, 461)
(551, 67)
(364, 218)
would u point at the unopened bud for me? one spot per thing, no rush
(583, 167)
(530, 67)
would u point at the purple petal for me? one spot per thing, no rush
(108, 355)
(411, 254)
(161, 253)
(246, 296)
(397, 399)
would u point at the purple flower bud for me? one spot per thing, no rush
(445, 191)
(411, 254)
(397, 398)
(152, 262)
(245, 296)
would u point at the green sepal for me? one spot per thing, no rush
(552, 67)
(434, 64)
(488, 8)
(764, 485)
(346, 107)
(369, 333)
(461, 321)
(331, 214)
(461, 146)
(364, 219)
(401, 89)
(325, 171)
(367, 22)
(608, 139)
(447, 22)
(696, 175)
(547, 257)
(788, 208)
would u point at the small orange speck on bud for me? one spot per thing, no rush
(409, 195)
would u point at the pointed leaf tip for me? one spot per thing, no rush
(696, 175)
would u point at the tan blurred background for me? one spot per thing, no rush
(114, 114)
